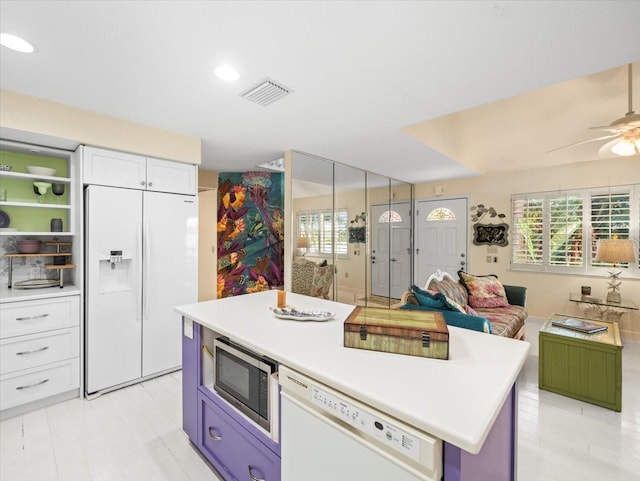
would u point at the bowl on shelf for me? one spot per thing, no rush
(28, 246)
(42, 187)
(36, 170)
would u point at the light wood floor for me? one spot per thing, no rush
(135, 434)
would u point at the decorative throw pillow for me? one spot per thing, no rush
(428, 298)
(436, 300)
(484, 291)
(448, 287)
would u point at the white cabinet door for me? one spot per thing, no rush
(117, 169)
(168, 176)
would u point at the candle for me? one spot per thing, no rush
(282, 298)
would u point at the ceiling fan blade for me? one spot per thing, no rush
(609, 128)
(605, 150)
(585, 142)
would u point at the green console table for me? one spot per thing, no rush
(587, 367)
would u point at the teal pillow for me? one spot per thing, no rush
(436, 300)
(428, 299)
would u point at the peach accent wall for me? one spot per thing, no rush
(44, 117)
(547, 293)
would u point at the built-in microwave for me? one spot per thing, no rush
(247, 381)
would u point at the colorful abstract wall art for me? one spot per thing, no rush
(250, 232)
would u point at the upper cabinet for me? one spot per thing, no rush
(36, 186)
(118, 169)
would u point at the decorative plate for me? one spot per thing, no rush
(300, 315)
(36, 283)
(5, 220)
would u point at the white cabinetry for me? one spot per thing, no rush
(39, 351)
(117, 169)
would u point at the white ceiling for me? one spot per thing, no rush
(363, 73)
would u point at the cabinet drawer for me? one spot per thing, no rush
(30, 317)
(25, 352)
(235, 452)
(24, 387)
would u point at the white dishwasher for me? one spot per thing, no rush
(326, 435)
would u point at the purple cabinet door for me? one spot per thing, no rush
(233, 451)
(497, 457)
(190, 381)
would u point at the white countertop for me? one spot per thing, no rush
(456, 400)
(14, 294)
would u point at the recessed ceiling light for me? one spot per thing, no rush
(227, 72)
(15, 43)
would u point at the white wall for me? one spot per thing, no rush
(547, 293)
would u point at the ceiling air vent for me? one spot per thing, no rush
(266, 92)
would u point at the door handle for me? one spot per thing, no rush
(393, 260)
(24, 353)
(253, 478)
(19, 388)
(215, 437)
(30, 318)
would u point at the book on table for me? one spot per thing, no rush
(579, 325)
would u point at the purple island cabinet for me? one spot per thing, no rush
(232, 445)
(237, 450)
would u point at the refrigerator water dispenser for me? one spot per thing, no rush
(116, 272)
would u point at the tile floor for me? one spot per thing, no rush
(134, 434)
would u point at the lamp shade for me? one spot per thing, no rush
(302, 243)
(615, 251)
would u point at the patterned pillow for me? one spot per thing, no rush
(449, 287)
(484, 291)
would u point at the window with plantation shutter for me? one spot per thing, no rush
(565, 229)
(323, 233)
(610, 215)
(342, 233)
(559, 231)
(527, 231)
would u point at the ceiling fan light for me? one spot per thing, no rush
(624, 147)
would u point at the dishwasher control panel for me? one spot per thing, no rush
(378, 428)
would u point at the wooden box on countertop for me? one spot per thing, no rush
(416, 333)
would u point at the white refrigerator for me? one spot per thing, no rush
(141, 257)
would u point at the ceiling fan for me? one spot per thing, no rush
(624, 132)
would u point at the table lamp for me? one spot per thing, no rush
(303, 243)
(615, 251)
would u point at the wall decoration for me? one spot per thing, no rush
(481, 211)
(492, 234)
(250, 232)
(358, 231)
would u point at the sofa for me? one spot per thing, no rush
(311, 279)
(480, 303)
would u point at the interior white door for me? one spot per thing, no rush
(170, 278)
(113, 220)
(390, 249)
(441, 237)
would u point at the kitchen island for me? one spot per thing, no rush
(456, 400)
